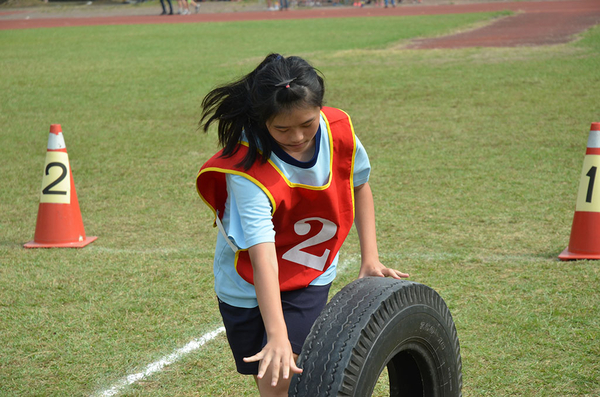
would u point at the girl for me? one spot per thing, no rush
(284, 190)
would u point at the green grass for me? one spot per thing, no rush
(476, 159)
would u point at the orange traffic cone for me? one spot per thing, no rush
(585, 232)
(59, 222)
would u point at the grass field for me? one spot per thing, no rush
(476, 158)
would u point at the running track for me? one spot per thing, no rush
(534, 23)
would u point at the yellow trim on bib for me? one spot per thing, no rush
(239, 173)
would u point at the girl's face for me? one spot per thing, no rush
(295, 131)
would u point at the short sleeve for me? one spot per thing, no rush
(250, 220)
(362, 166)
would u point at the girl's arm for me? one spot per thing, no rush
(365, 225)
(278, 350)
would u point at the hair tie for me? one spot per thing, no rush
(285, 83)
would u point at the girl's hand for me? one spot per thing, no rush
(277, 358)
(377, 269)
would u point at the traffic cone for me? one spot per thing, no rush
(59, 222)
(585, 232)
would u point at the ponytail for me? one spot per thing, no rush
(277, 84)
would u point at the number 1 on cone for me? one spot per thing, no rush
(588, 197)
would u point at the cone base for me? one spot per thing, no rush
(75, 244)
(566, 255)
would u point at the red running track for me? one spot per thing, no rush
(535, 23)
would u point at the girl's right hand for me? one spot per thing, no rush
(275, 358)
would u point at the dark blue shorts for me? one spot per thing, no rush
(246, 331)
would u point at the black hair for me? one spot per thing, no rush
(278, 84)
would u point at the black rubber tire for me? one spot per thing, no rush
(377, 322)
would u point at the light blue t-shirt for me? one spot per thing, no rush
(247, 219)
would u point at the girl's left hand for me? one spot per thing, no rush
(377, 269)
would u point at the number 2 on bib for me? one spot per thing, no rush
(303, 258)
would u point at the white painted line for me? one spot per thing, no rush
(150, 251)
(160, 364)
(343, 264)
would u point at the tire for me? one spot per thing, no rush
(377, 322)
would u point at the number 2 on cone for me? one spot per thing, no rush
(56, 181)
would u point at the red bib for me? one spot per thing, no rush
(311, 222)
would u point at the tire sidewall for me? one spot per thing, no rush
(419, 331)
